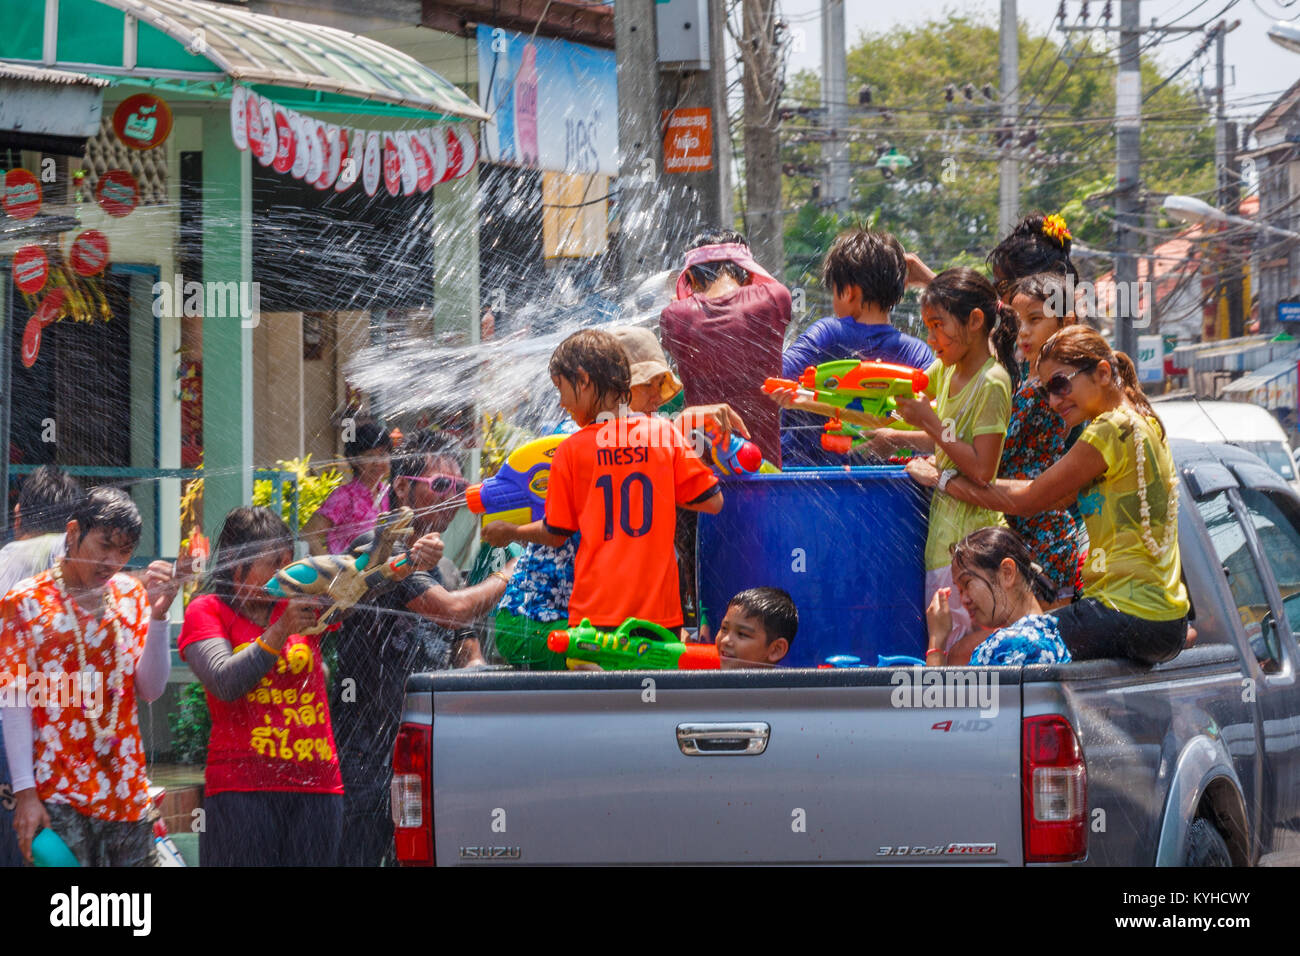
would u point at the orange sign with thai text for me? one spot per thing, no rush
(688, 140)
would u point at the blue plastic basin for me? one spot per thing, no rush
(847, 543)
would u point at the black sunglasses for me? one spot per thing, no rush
(1059, 384)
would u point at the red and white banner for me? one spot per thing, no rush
(328, 156)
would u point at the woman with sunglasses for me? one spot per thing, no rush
(1003, 589)
(1122, 475)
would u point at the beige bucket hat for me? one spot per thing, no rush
(646, 356)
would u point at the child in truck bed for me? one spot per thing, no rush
(618, 481)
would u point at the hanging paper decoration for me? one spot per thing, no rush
(31, 269)
(22, 194)
(350, 170)
(142, 121)
(284, 142)
(423, 162)
(392, 165)
(117, 192)
(370, 166)
(326, 155)
(239, 117)
(89, 255)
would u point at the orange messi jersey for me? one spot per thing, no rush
(619, 483)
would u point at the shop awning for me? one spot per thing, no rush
(49, 110)
(1231, 355)
(1272, 386)
(202, 47)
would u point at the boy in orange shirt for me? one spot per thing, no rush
(618, 481)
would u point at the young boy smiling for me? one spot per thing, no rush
(758, 628)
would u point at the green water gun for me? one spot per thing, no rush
(633, 645)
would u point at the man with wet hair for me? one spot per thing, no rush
(45, 503)
(77, 644)
(725, 331)
(420, 624)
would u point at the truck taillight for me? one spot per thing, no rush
(1054, 786)
(412, 796)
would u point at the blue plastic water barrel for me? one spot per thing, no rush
(847, 543)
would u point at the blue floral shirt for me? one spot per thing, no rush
(1034, 639)
(542, 582)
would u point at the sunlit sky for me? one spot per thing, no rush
(1263, 69)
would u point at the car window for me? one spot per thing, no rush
(1274, 455)
(1229, 540)
(1275, 518)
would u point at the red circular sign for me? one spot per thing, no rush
(50, 307)
(89, 254)
(142, 121)
(22, 194)
(118, 192)
(31, 269)
(31, 342)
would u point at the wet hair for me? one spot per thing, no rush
(961, 291)
(1045, 287)
(774, 607)
(47, 500)
(1028, 249)
(872, 261)
(417, 449)
(704, 274)
(986, 549)
(597, 353)
(1084, 348)
(368, 437)
(109, 508)
(246, 535)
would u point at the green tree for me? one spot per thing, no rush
(945, 206)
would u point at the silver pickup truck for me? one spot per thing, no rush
(1196, 761)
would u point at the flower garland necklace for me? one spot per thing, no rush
(106, 739)
(1171, 506)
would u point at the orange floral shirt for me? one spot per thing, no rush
(86, 733)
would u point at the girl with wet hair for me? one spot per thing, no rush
(966, 427)
(1039, 243)
(1036, 436)
(1002, 588)
(1122, 475)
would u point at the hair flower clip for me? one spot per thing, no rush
(1054, 227)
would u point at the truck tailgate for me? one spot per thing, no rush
(591, 768)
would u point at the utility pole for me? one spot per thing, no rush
(1008, 165)
(640, 152)
(760, 55)
(659, 208)
(835, 150)
(1128, 131)
(1225, 148)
